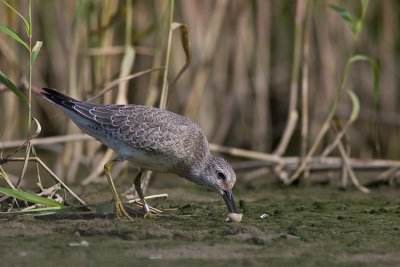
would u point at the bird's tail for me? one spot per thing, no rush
(58, 98)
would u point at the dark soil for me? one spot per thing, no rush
(315, 226)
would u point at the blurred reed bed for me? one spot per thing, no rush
(263, 75)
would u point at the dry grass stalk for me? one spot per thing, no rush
(49, 171)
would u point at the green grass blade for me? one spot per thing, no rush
(36, 50)
(364, 6)
(359, 58)
(375, 71)
(27, 28)
(4, 80)
(29, 197)
(375, 99)
(356, 105)
(46, 210)
(13, 35)
(347, 17)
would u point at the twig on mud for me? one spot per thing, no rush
(139, 203)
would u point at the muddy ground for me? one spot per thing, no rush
(305, 226)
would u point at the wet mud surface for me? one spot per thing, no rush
(315, 226)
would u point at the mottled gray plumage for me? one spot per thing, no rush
(153, 139)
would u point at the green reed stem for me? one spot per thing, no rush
(30, 68)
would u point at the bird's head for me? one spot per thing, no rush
(218, 175)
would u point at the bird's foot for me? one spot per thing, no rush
(121, 212)
(149, 212)
(149, 215)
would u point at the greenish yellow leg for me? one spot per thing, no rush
(119, 208)
(136, 182)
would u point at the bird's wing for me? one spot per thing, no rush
(148, 128)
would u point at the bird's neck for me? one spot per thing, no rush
(196, 172)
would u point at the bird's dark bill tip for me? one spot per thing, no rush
(230, 202)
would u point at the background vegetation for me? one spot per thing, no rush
(264, 76)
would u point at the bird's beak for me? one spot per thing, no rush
(228, 197)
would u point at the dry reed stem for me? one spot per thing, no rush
(325, 126)
(164, 92)
(112, 84)
(47, 140)
(140, 205)
(261, 140)
(305, 84)
(288, 133)
(153, 87)
(6, 178)
(256, 173)
(99, 167)
(209, 48)
(235, 98)
(343, 131)
(165, 84)
(29, 148)
(245, 153)
(349, 169)
(287, 164)
(118, 50)
(264, 158)
(73, 151)
(292, 109)
(103, 69)
(388, 174)
(49, 171)
(125, 68)
(149, 197)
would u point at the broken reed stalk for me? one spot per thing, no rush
(263, 159)
(278, 165)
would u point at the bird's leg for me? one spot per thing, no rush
(136, 182)
(119, 208)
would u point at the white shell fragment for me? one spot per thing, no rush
(264, 216)
(234, 217)
(82, 243)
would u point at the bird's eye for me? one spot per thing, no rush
(221, 175)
